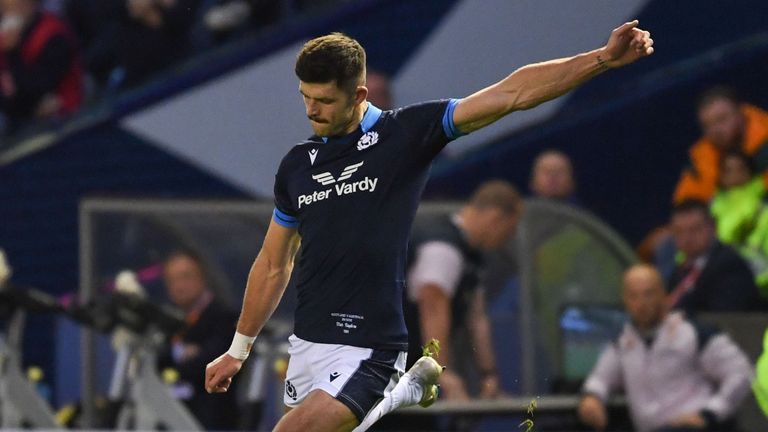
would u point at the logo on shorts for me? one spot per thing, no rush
(335, 375)
(290, 390)
(367, 140)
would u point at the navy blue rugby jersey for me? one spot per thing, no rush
(353, 199)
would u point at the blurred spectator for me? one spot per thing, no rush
(379, 91)
(728, 124)
(221, 20)
(677, 375)
(154, 35)
(740, 209)
(711, 276)
(209, 330)
(658, 248)
(40, 72)
(738, 200)
(552, 177)
(97, 24)
(443, 275)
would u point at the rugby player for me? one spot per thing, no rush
(349, 194)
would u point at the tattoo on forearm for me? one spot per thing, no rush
(602, 63)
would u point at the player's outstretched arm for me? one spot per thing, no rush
(265, 287)
(536, 83)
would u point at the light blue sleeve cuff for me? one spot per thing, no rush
(451, 131)
(283, 219)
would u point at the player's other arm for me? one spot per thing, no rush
(265, 287)
(536, 83)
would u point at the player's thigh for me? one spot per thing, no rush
(319, 412)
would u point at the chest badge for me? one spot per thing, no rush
(368, 139)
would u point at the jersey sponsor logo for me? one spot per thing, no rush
(334, 375)
(340, 186)
(368, 139)
(326, 178)
(312, 156)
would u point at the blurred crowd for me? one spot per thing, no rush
(713, 251)
(711, 257)
(677, 374)
(55, 55)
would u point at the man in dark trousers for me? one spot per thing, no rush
(712, 277)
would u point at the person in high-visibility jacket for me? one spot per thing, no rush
(741, 211)
(727, 125)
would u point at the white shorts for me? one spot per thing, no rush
(356, 377)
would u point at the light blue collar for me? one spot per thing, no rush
(371, 116)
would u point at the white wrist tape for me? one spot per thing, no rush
(241, 346)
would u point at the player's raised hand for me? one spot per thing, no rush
(219, 373)
(627, 44)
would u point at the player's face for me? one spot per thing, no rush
(331, 110)
(693, 233)
(723, 123)
(644, 299)
(184, 281)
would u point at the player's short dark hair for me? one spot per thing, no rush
(497, 194)
(717, 93)
(332, 58)
(693, 206)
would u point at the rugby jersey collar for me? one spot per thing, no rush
(371, 116)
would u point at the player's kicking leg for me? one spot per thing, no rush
(319, 412)
(417, 386)
(337, 384)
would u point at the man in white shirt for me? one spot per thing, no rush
(677, 375)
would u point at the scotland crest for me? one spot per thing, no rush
(367, 140)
